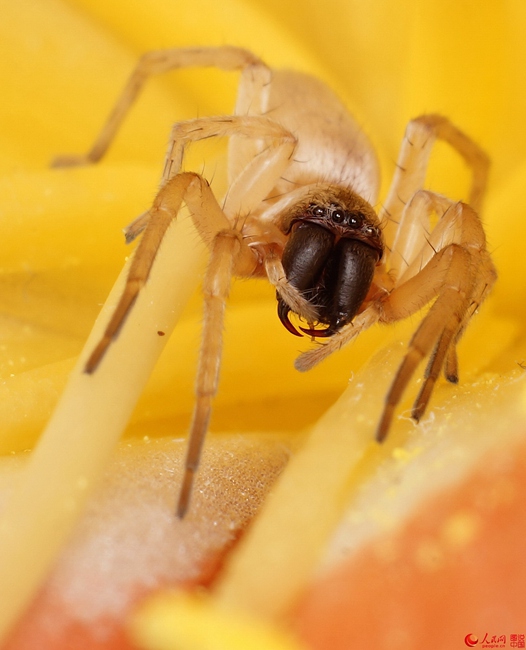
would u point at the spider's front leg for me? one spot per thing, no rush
(449, 263)
(228, 252)
(226, 249)
(195, 192)
(245, 192)
(459, 275)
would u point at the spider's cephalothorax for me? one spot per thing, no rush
(333, 248)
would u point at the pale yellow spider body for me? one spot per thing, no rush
(297, 159)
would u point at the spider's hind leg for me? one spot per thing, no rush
(413, 160)
(253, 88)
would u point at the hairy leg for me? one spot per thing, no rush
(216, 287)
(253, 88)
(253, 183)
(196, 193)
(459, 275)
(413, 160)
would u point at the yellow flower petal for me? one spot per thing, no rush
(184, 622)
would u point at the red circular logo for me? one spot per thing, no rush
(471, 640)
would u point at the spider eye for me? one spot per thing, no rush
(355, 220)
(338, 216)
(316, 210)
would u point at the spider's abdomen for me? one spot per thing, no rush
(330, 257)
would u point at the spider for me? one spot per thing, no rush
(303, 178)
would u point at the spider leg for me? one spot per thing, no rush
(487, 276)
(460, 275)
(259, 175)
(413, 159)
(253, 94)
(456, 270)
(363, 321)
(436, 362)
(458, 223)
(226, 245)
(437, 331)
(451, 363)
(253, 183)
(415, 244)
(194, 191)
